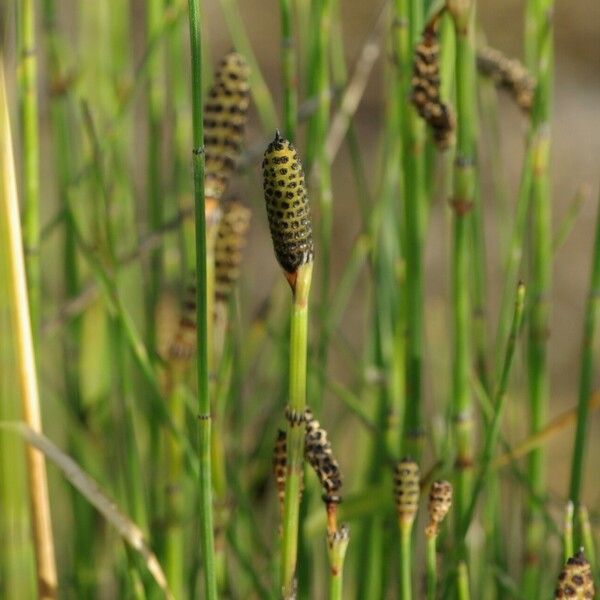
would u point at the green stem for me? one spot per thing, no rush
(463, 582)
(337, 544)
(568, 531)
(28, 104)
(541, 275)
(154, 193)
(499, 400)
(431, 567)
(295, 431)
(589, 358)
(204, 415)
(462, 201)
(290, 82)
(409, 14)
(587, 538)
(406, 561)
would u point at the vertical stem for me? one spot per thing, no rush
(295, 429)
(431, 567)
(406, 561)
(154, 12)
(337, 544)
(541, 272)
(36, 465)
(568, 531)
(409, 20)
(290, 81)
(589, 358)
(204, 414)
(462, 202)
(27, 77)
(463, 582)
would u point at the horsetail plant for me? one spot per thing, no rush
(204, 410)
(318, 453)
(288, 212)
(440, 501)
(575, 580)
(406, 495)
(463, 197)
(541, 63)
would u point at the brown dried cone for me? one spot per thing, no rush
(229, 245)
(509, 74)
(406, 490)
(184, 343)
(440, 501)
(288, 208)
(425, 83)
(575, 580)
(318, 453)
(225, 116)
(280, 465)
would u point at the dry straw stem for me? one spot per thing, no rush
(575, 581)
(23, 341)
(90, 489)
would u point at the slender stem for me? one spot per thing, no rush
(463, 582)
(30, 142)
(406, 561)
(337, 544)
(589, 358)
(153, 185)
(295, 431)
(541, 271)
(568, 531)
(36, 466)
(204, 414)
(462, 201)
(431, 567)
(587, 538)
(290, 81)
(493, 429)
(409, 19)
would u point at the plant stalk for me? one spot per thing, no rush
(295, 431)
(204, 410)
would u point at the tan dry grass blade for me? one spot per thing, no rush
(90, 489)
(41, 524)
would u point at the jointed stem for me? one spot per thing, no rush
(295, 429)
(204, 414)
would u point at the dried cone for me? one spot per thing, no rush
(288, 208)
(318, 453)
(225, 116)
(440, 501)
(425, 83)
(575, 580)
(229, 244)
(406, 490)
(280, 465)
(509, 74)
